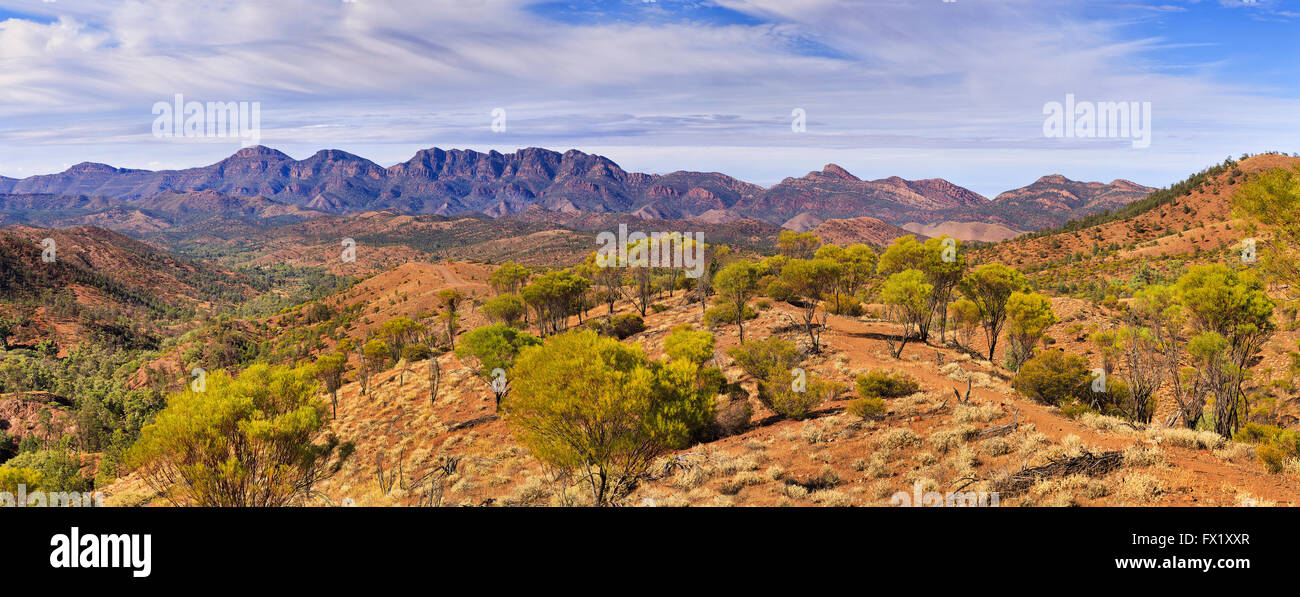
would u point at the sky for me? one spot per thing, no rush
(913, 88)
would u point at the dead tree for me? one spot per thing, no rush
(435, 379)
(963, 399)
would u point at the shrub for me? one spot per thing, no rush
(618, 326)
(733, 415)
(899, 437)
(757, 357)
(867, 407)
(245, 441)
(791, 402)
(317, 312)
(847, 306)
(1275, 445)
(685, 343)
(1073, 409)
(882, 384)
(1053, 377)
(413, 353)
(780, 290)
(58, 469)
(594, 404)
(627, 324)
(507, 308)
(787, 392)
(11, 477)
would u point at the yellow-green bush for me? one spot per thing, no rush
(883, 384)
(1274, 445)
(867, 407)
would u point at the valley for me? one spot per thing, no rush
(904, 388)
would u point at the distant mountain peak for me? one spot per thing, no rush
(260, 151)
(94, 168)
(336, 155)
(838, 172)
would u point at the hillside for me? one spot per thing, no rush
(858, 230)
(103, 285)
(397, 433)
(1195, 224)
(978, 231)
(833, 459)
(835, 193)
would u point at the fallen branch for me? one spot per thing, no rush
(1088, 463)
(1001, 430)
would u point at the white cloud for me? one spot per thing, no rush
(896, 80)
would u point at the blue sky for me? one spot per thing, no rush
(915, 88)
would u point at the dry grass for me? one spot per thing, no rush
(1140, 489)
(965, 413)
(899, 438)
(1187, 438)
(1142, 456)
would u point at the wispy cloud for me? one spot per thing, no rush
(914, 88)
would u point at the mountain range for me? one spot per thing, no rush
(260, 182)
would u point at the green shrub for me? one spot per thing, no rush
(685, 343)
(882, 384)
(758, 357)
(11, 477)
(618, 326)
(507, 308)
(867, 408)
(787, 392)
(59, 469)
(257, 430)
(590, 404)
(1053, 377)
(1273, 456)
(847, 306)
(780, 290)
(1275, 445)
(416, 352)
(1073, 409)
